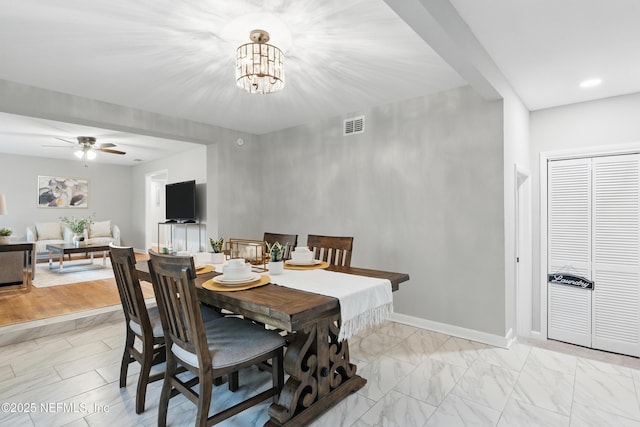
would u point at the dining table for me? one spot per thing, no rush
(320, 371)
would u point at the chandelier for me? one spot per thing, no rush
(259, 66)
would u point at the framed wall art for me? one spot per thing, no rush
(62, 192)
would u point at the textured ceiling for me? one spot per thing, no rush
(177, 58)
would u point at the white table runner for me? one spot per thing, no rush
(364, 301)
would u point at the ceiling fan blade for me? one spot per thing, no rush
(56, 146)
(70, 142)
(107, 150)
(106, 145)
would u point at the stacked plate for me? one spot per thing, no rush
(252, 277)
(303, 263)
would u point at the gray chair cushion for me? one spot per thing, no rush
(156, 324)
(208, 315)
(232, 341)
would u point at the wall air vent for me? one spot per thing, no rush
(353, 126)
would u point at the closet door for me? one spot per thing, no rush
(569, 249)
(616, 252)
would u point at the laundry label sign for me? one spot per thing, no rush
(570, 280)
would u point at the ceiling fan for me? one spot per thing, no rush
(86, 147)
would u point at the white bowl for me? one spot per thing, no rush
(235, 270)
(302, 256)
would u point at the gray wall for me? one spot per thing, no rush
(109, 194)
(185, 166)
(421, 191)
(604, 123)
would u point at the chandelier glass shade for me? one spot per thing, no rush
(259, 66)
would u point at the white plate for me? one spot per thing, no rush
(312, 262)
(231, 282)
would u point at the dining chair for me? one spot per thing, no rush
(210, 350)
(142, 322)
(333, 249)
(291, 240)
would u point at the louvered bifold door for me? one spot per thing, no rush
(569, 249)
(616, 251)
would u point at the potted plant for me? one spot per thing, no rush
(5, 234)
(78, 226)
(218, 255)
(276, 253)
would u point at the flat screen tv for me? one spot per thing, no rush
(180, 199)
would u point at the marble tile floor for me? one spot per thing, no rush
(415, 378)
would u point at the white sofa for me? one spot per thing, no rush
(48, 233)
(51, 233)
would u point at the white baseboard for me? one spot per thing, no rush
(456, 331)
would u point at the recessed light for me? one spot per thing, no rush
(585, 84)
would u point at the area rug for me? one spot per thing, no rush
(73, 272)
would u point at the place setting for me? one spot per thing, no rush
(200, 262)
(236, 276)
(204, 268)
(302, 259)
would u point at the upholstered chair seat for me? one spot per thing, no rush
(208, 314)
(231, 341)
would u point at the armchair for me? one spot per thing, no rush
(102, 233)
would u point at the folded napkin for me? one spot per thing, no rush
(364, 301)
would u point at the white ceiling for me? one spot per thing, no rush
(177, 58)
(545, 48)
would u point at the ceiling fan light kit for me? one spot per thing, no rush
(259, 65)
(86, 148)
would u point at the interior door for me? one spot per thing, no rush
(569, 249)
(616, 254)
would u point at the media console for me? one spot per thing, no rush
(187, 244)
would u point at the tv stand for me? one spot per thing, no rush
(186, 221)
(187, 244)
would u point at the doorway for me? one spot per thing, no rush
(523, 254)
(155, 207)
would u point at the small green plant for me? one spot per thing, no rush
(78, 225)
(216, 245)
(276, 251)
(5, 232)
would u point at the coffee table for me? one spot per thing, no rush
(68, 248)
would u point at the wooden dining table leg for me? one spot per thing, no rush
(320, 375)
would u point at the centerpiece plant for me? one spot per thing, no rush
(276, 253)
(216, 245)
(217, 248)
(78, 225)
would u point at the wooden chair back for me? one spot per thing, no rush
(123, 262)
(175, 290)
(174, 286)
(283, 239)
(335, 250)
(151, 350)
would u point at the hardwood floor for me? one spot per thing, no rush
(42, 303)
